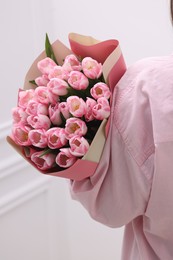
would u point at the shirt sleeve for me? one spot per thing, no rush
(119, 189)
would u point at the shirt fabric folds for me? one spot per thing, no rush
(133, 183)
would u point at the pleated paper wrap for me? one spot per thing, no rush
(109, 54)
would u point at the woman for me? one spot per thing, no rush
(133, 184)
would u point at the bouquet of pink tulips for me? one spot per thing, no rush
(55, 121)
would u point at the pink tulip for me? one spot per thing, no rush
(20, 135)
(46, 65)
(42, 95)
(19, 116)
(90, 103)
(39, 122)
(78, 80)
(100, 89)
(58, 87)
(72, 63)
(91, 68)
(45, 96)
(75, 126)
(56, 137)
(24, 97)
(55, 114)
(38, 138)
(102, 109)
(65, 159)
(43, 162)
(53, 98)
(58, 72)
(78, 146)
(64, 109)
(77, 106)
(42, 80)
(35, 108)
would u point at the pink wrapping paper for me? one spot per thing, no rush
(110, 55)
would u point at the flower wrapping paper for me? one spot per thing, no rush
(109, 54)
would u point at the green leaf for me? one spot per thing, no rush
(33, 82)
(46, 151)
(49, 50)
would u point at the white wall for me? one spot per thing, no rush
(143, 29)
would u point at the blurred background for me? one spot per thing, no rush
(38, 219)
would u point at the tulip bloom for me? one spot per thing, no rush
(35, 108)
(64, 109)
(78, 80)
(24, 97)
(42, 80)
(78, 146)
(20, 135)
(19, 116)
(46, 65)
(56, 137)
(55, 114)
(99, 90)
(43, 162)
(91, 68)
(71, 63)
(42, 95)
(39, 121)
(90, 103)
(38, 138)
(75, 126)
(58, 72)
(77, 106)
(58, 86)
(65, 159)
(102, 109)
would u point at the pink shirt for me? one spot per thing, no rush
(133, 183)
